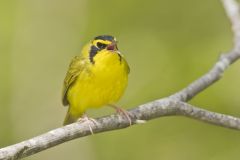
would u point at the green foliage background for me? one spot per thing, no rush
(168, 44)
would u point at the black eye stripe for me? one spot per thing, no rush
(101, 45)
(93, 52)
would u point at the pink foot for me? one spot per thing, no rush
(86, 119)
(122, 111)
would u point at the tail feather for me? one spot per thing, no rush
(70, 118)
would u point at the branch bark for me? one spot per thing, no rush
(232, 10)
(172, 105)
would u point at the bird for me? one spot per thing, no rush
(97, 77)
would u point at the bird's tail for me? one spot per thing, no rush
(70, 118)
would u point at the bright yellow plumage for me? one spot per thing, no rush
(96, 78)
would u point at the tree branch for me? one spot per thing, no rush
(173, 105)
(186, 94)
(151, 110)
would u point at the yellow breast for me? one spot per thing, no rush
(100, 83)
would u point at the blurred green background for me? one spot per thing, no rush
(168, 44)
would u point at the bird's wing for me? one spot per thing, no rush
(127, 68)
(75, 68)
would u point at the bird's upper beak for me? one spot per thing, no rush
(112, 46)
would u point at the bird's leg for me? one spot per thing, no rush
(122, 111)
(85, 118)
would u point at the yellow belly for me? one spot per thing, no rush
(101, 84)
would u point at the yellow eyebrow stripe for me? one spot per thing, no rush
(101, 41)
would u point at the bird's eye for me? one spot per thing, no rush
(101, 45)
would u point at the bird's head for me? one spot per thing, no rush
(101, 45)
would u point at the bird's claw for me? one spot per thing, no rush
(86, 119)
(124, 112)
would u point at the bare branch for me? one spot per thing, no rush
(232, 10)
(173, 105)
(156, 109)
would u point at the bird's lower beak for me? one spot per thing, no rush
(112, 47)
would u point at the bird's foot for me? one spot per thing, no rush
(86, 119)
(123, 112)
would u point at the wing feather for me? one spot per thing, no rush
(75, 68)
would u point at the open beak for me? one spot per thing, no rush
(112, 46)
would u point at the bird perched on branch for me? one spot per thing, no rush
(96, 78)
